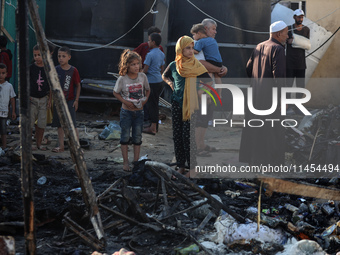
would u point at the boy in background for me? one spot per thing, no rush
(70, 83)
(7, 95)
(6, 56)
(153, 68)
(41, 96)
(143, 49)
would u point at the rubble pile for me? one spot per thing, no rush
(317, 138)
(156, 211)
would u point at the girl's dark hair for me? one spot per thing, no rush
(125, 59)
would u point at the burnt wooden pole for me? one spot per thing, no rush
(25, 127)
(66, 122)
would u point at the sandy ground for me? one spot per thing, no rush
(90, 126)
(157, 148)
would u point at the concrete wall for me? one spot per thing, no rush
(329, 66)
(326, 91)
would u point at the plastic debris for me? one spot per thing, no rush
(291, 208)
(306, 247)
(266, 211)
(249, 191)
(328, 231)
(233, 194)
(7, 245)
(313, 207)
(143, 157)
(203, 210)
(303, 208)
(192, 249)
(228, 231)
(76, 190)
(297, 218)
(42, 180)
(327, 209)
(117, 159)
(272, 222)
(275, 211)
(245, 185)
(251, 210)
(2, 152)
(111, 132)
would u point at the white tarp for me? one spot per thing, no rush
(228, 231)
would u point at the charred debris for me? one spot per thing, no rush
(155, 210)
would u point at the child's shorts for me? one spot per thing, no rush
(56, 121)
(3, 127)
(39, 111)
(134, 120)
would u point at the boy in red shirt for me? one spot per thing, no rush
(6, 56)
(70, 83)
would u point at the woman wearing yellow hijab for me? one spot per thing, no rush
(184, 71)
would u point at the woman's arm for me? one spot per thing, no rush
(166, 78)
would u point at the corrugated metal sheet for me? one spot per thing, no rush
(78, 24)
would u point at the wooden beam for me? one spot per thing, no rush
(2, 14)
(4, 30)
(25, 129)
(66, 121)
(301, 189)
(217, 205)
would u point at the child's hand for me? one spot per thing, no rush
(223, 71)
(14, 116)
(75, 105)
(129, 105)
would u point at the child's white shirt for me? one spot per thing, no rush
(6, 93)
(199, 55)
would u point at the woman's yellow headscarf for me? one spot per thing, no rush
(189, 68)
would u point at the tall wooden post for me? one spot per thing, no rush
(66, 122)
(25, 127)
